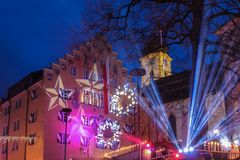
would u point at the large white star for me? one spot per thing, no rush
(92, 84)
(53, 94)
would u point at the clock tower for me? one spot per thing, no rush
(157, 65)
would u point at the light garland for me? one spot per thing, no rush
(4, 139)
(121, 151)
(118, 98)
(114, 128)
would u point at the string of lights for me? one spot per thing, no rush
(4, 139)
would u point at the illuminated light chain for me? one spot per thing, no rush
(4, 139)
(115, 102)
(115, 129)
(120, 151)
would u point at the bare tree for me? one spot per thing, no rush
(137, 21)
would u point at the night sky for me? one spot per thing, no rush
(35, 33)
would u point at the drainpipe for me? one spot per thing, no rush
(26, 125)
(8, 128)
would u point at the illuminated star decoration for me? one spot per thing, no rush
(58, 95)
(92, 81)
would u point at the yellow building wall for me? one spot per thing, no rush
(158, 64)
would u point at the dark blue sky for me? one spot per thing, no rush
(35, 33)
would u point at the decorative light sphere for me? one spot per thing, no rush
(114, 128)
(129, 102)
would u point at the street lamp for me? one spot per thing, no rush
(138, 72)
(66, 113)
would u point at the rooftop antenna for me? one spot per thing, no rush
(161, 39)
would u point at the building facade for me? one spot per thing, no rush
(99, 125)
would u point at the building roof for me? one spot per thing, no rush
(174, 87)
(2, 100)
(25, 83)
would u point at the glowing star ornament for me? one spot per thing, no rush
(108, 134)
(124, 100)
(92, 81)
(58, 95)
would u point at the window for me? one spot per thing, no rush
(93, 76)
(64, 94)
(85, 74)
(73, 71)
(63, 67)
(94, 121)
(34, 94)
(32, 117)
(100, 78)
(94, 99)
(18, 104)
(115, 71)
(16, 125)
(86, 121)
(5, 131)
(85, 141)
(101, 99)
(62, 118)
(61, 138)
(49, 76)
(15, 145)
(4, 148)
(101, 145)
(85, 96)
(6, 111)
(128, 128)
(33, 139)
(114, 145)
(114, 83)
(57, 71)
